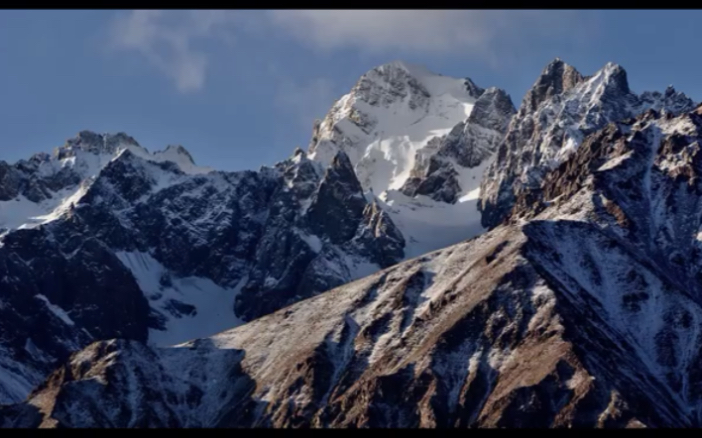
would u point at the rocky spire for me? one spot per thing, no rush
(556, 78)
(338, 205)
(473, 89)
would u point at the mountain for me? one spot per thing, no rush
(582, 309)
(104, 239)
(419, 143)
(142, 250)
(559, 111)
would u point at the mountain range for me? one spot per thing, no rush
(436, 258)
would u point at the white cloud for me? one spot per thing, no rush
(166, 40)
(459, 32)
(380, 30)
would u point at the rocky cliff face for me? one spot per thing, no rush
(442, 169)
(557, 113)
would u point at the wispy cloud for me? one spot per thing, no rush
(167, 39)
(459, 32)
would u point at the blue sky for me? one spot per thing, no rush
(240, 89)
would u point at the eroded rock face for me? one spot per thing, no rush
(438, 168)
(560, 110)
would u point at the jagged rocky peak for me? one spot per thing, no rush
(110, 145)
(338, 205)
(90, 141)
(419, 141)
(392, 115)
(493, 110)
(414, 73)
(557, 113)
(556, 78)
(617, 77)
(670, 100)
(42, 177)
(318, 234)
(176, 152)
(473, 89)
(610, 80)
(386, 102)
(393, 82)
(44, 185)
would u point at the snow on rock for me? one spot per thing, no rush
(56, 310)
(556, 114)
(391, 113)
(136, 244)
(428, 225)
(186, 308)
(585, 311)
(391, 116)
(181, 157)
(41, 189)
(515, 328)
(408, 130)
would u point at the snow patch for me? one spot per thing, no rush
(56, 310)
(312, 241)
(428, 225)
(213, 304)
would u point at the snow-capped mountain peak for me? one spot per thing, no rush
(108, 146)
(420, 141)
(42, 188)
(557, 77)
(90, 141)
(560, 109)
(391, 113)
(179, 155)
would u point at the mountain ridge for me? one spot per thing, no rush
(190, 251)
(579, 307)
(557, 112)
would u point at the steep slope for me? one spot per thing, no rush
(584, 311)
(419, 142)
(557, 113)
